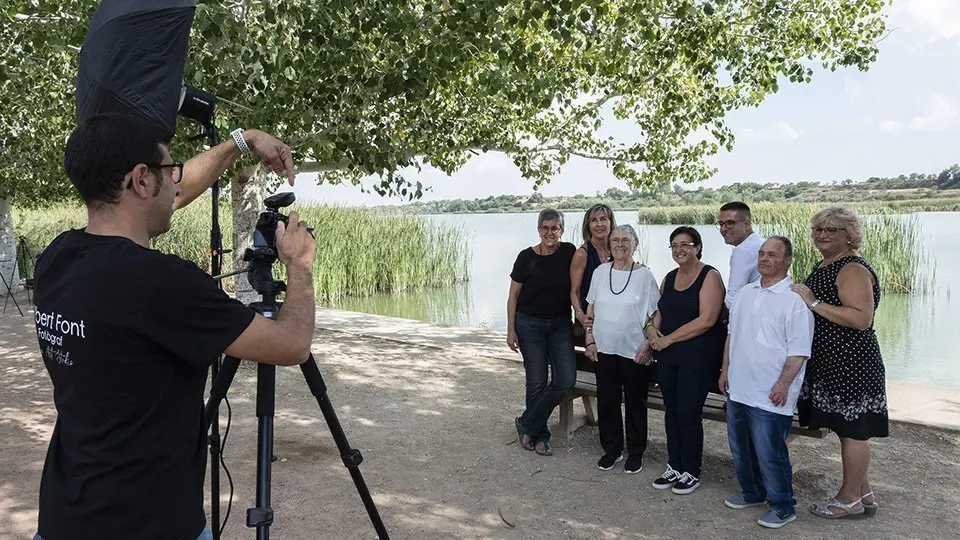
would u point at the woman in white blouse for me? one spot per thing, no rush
(623, 296)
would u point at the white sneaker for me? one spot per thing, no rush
(667, 479)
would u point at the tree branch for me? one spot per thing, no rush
(316, 167)
(23, 17)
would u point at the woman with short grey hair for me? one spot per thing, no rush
(623, 296)
(844, 388)
(540, 327)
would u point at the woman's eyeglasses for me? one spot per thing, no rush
(682, 245)
(830, 231)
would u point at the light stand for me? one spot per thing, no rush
(198, 105)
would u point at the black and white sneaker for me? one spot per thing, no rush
(687, 484)
(608, 461)
(667, 479)
(633, 465)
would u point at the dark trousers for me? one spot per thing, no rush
(758, 444)
(684, 386)
(619, 376)
(546, 345)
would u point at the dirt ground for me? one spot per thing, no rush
(441, 459)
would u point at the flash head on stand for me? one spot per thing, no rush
(197, 105)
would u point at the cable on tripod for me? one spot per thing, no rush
(223, 465)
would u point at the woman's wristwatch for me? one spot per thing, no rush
(814, 305)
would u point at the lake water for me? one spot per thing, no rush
(919, 335)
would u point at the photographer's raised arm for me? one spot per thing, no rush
(285, 341)
(202, 170)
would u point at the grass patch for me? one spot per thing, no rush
(359, 252)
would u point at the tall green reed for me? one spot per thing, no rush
(359, 252)
(893, 245)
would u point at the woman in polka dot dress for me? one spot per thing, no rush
(845, 386)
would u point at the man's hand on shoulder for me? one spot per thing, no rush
(274, 154)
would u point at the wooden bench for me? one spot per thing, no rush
(586, 389)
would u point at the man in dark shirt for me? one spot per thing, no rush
(127, 335)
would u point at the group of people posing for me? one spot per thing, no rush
(770, 345)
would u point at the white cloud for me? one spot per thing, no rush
(853, 89)
(785, 131)
(748, 134)
(941, 18)
(941, 115)
(891, 126)
(780, 131)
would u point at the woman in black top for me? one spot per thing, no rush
(687, 334)
(844, 388)
(539, 325)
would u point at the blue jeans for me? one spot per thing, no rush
(758, 443)
(546, 344)
(207, 534)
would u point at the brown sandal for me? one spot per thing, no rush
(543, 448)
(526, 441)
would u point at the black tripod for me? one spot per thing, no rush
(260, 274)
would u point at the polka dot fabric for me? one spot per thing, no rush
(845, 384)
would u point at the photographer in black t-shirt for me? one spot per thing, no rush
(127, 335)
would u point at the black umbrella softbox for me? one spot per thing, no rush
(132, 60)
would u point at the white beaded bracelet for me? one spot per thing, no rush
(241, 144)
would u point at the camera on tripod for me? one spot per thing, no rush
(264, 252)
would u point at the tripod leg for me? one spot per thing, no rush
(9, 294)
(351, 457)
(262, 515)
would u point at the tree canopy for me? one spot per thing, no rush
(366, 87)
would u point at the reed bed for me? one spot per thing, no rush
(707, 214)
(893, 244)
(359, 252)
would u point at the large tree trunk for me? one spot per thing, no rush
(246, 193)
(8, 250)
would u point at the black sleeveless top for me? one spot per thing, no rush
(677, 308)
(593, 262)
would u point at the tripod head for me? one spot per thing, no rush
(264, 252)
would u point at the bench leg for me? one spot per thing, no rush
(590, 406)
(566, 426)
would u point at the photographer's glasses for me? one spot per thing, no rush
(177, 169)
(176, 172)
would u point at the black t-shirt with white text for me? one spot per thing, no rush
(546, 282)
(127, 335)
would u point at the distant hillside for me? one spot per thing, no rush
(914, 187)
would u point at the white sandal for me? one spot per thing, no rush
(869, 509)
(822, 509)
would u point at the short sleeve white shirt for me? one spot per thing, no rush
(621, 308)
(767, 325)
(743, 266)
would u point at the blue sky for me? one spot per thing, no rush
(900, 117)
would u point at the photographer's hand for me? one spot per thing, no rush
(272, 152)
(202, 170)
(296, 247)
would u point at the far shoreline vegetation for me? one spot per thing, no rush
(666, 204)
(354, 259)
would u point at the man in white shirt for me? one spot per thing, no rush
(736, 228)
(768, 343)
